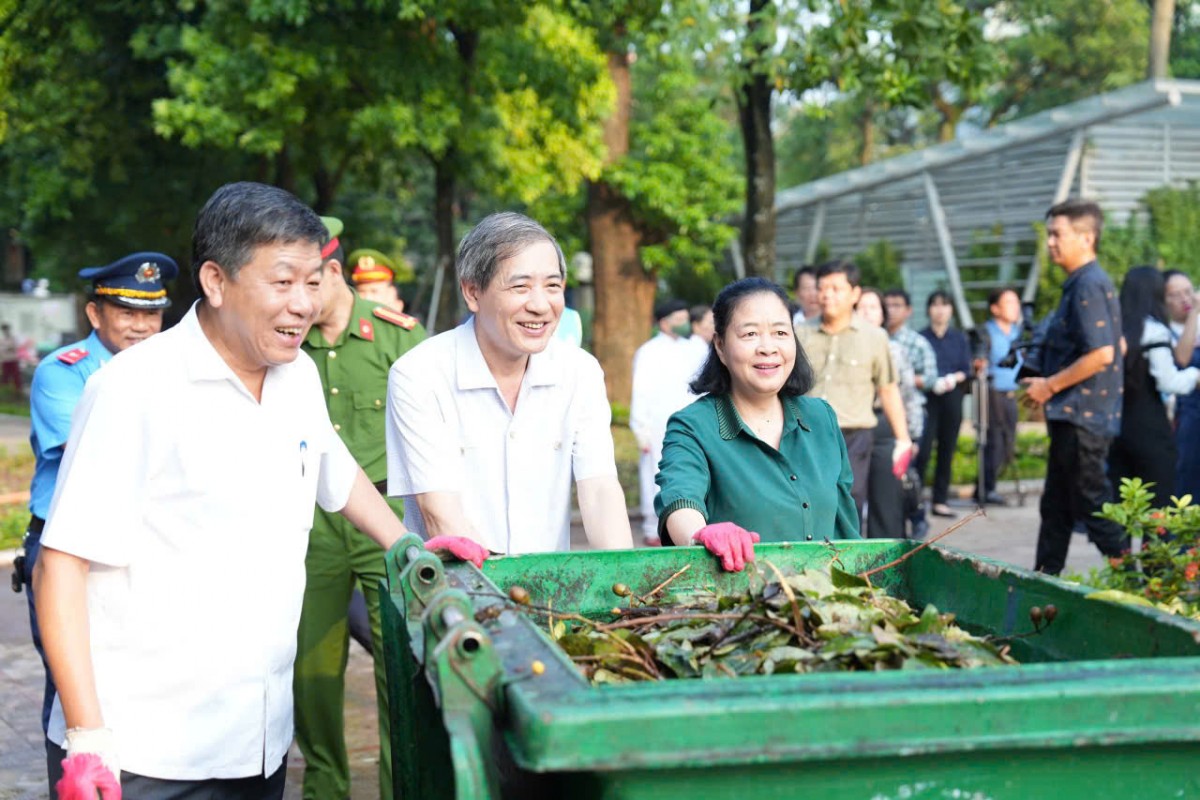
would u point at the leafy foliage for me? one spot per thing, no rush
(1166, 571)
(1067, 51)
(814, 621)
(86, 177)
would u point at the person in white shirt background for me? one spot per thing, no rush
(1145, 447)
(702, 326)
(662, 369)
(804, 289)
(488, 423)
(171, 574)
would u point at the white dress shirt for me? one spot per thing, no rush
(449, 430)
(193, 502)
(1168, 377)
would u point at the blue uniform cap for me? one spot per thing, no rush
(138, 280)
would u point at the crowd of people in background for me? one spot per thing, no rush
(1115, 384)
(323, 425)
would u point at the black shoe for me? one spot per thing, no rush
(942, 510)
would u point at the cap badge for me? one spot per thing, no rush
(367, 262)
(148, 272)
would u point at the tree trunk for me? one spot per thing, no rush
(949, 115)
(866, 127)
(443, 222)
(445, 182)
(1160, 38)
(326, 188)
(624, 289)
(754, 114)
(285, 173)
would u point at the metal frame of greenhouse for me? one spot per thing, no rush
(962, 214)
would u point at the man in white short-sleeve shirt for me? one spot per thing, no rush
(489, 423)
(172, 566)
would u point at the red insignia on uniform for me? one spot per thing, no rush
(366, 329)
(73, 356)
(395, 317)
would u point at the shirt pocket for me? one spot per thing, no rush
(366, 424)
(857, 371)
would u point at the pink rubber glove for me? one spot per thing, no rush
(731, 543)
(901, 458)
(84, 776)
(460, 547)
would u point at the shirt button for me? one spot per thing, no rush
(793, 477)
(512, 434)
(378, 403)
(333, 353)
(334, 390)
(337, 426)
(804, 505)
(808, 538)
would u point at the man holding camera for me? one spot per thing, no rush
(1080, 389)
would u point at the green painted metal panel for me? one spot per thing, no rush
(1104, 689)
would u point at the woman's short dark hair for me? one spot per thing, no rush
(714, 376)
(938, 296)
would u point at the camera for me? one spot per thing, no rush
(1033, 336)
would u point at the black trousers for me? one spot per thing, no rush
(138, 787)
(1001, 433)
(943, 419)
(1076, 487)
(885, 496)
(859, 442)
(1145, 449)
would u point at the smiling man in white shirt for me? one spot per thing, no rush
(488, 423)
(172, 567)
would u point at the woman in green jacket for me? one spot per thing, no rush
(754, 459)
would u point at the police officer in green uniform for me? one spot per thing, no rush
(354, 343)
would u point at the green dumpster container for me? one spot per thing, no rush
(1106, 702)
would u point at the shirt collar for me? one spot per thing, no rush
(360, 310)
(1072, 279)
(202, 360)
(472, 372)
(729, 422)
(93, 344)
(853, 326)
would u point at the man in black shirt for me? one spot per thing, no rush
(1081, 389)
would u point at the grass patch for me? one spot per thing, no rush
(1029, 463)
(627, 453)
(13, 522)
(16, 471)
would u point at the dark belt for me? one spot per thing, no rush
(36, 524)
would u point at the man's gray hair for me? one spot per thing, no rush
(497, 238)
(240, 217)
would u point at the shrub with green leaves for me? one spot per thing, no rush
(1165, 572)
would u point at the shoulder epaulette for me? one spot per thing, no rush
(395, 317)
(73, 356)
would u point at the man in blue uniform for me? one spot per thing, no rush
(125, 305)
